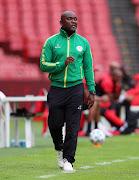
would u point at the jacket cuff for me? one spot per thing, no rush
(91, 88)
(62, 65)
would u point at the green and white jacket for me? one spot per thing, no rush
(54, 53)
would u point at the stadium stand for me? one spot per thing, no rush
(136, 2)
(29, 24)
(110, 26)
(2, 24)
(16, 69)
(41, 9)
(125, 28)
(26, 24)
(14, 32)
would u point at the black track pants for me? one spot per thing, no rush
(65, 105)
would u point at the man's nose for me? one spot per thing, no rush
(73, 20)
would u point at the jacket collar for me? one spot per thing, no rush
(64, 33)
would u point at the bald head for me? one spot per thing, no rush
(68, 22)
(67, 13)
(114, 65)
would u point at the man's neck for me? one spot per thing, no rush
(69, 33)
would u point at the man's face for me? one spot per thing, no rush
(69, 21)
(117, 77)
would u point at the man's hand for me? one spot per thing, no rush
(69, 60)
(91, 99)
(105, 98)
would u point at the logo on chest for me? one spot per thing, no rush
(57, 46)
(79, 48)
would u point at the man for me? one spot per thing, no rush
(114, 65)
(93, 113)
(67, 57)
(110, 85)
(103, 103)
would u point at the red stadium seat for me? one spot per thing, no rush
(16, 69)
(15, 38)
(136, 2)
(2, 24)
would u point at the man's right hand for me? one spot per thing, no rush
(69, 60)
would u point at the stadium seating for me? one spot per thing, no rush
(2, 24)
(43, 20)
(14, 33)
(30, 23)
(26, 24)
(135, 2)
(13, 68)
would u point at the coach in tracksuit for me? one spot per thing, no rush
(67, 57)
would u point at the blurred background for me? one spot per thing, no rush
(111, 27)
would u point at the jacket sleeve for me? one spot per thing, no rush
(46, 60)
(88, 68)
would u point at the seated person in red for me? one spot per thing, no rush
(94, 112)
(131, 85)
(110, 84)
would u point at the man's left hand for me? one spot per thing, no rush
(91, 99)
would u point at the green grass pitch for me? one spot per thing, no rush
(116, 159)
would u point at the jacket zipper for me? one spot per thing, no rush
(67, 66)
(81, 72)
(68, 49)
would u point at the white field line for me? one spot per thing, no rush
(103, 163)
(119, 160)
(132, 158)
(35, 155)
(89, 167)
(47, 176)
(107, 163)
(86, 167)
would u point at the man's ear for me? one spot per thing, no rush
(61, 23)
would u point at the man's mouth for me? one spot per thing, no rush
(73, 26)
